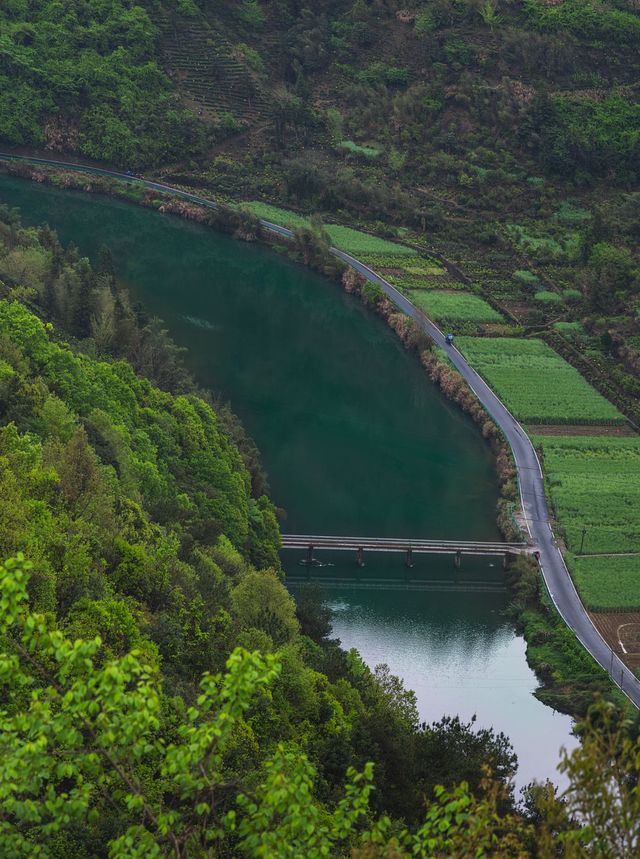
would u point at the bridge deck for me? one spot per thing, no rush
(402, 544)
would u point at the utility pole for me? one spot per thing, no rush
(584, 531)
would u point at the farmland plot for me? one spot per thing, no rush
(537, 384)
(275, 215)
(607, 584)
(355, 242)
(594, 488)
(454, 306)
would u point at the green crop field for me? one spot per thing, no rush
(409, 272)
(413, 266)
(422, 282)
(356, 242)
(537, 384)
(277, 216)
(607, 584)
(459, 306)
(594, 487)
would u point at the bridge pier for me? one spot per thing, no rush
(409, 559)
(458, 559)
(360, 557)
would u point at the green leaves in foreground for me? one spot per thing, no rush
(94, 762)
(78, 739)
(82, 740)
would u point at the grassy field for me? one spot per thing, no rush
(455, 306)
(594, 485)
(536, 383)
(607, 584)
(274, 214)
(413, 266)
(357, 243)
(378, 252)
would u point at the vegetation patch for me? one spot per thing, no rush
(414, 266)
(356, 149)
(594, 488)
(548, 297)
(537, 384)
(86, 76)
(275, 215)
(356, 242)
(457, 306)
(545, 244)
(609, 583)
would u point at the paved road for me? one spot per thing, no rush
(554, 570)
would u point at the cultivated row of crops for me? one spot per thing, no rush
(594, 488)
(537, 385)
(454, 306)
(607, 584)
(358, 243)
(276, 215)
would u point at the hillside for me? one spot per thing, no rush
(143, 525)
(504, 135)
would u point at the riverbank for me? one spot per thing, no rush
(232, 225)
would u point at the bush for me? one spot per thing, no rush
(547, 297)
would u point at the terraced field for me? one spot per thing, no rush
(536, 384)
(607, 584)
(454, 306)
(610, 516)
(594, 487)
(363, 244)
(275, 214)
(208, 73)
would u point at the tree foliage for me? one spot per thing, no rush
(87, 74)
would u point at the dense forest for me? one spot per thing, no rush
(142, 524)
(162, 694)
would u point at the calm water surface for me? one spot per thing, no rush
(355, 440)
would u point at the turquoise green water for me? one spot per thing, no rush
(355, 440)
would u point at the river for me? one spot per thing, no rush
(355, 440)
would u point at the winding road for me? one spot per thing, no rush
(534, 505)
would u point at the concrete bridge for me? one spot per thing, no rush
(456, 548)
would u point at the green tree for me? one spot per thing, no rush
(263, 602)
(611, 275)
(82, 749)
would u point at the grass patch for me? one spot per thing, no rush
(570, 213)
(537, 384)
(526, 277)
(424, 283)
(414, 266)
(356, 149)
(455, 306)
(607, 584)
(282, 217)
(548, 297)
(594, 486)
(355, 242)
(569, 327)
